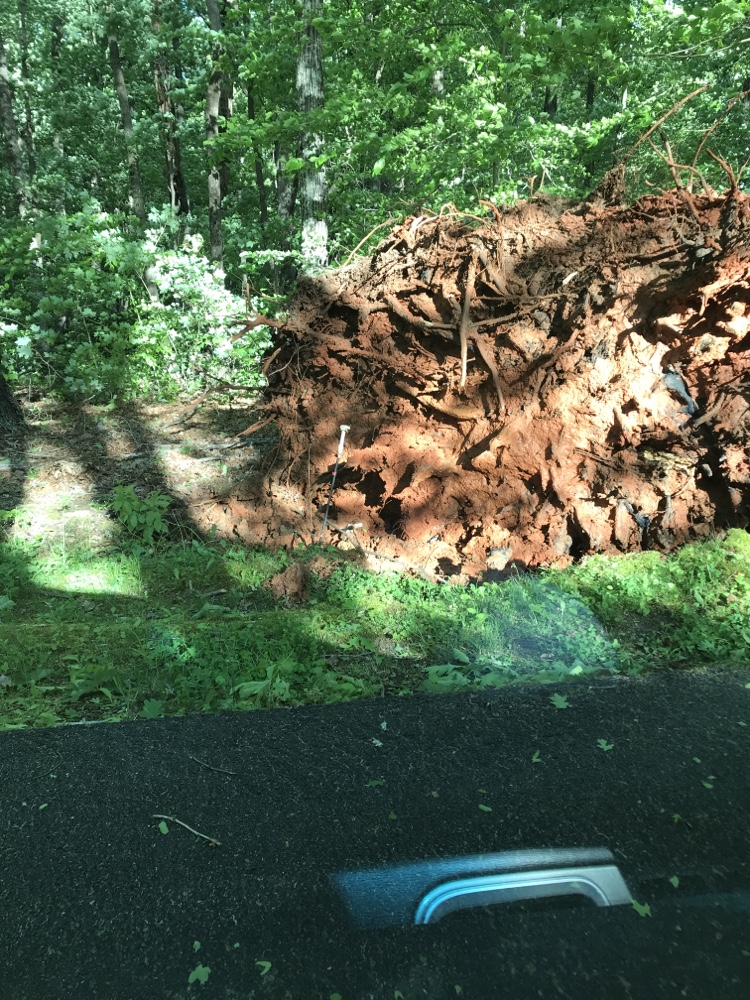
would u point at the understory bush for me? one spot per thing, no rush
(90, 306)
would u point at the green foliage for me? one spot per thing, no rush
(142, 519)
(698, 600)
(89, 308)
(422, 109)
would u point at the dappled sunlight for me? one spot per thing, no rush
(93, 579)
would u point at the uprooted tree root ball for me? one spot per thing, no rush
(522, 389)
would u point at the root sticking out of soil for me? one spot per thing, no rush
(557, 380)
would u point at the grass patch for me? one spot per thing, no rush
(170, 629)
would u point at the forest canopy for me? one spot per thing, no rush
(166, 166)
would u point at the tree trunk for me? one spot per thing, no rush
(11, 416)
(259, 179)
(226, 104)
(137, 203)
(286, 202)
(213, 101)
(57, 76)
(13, 149)
(550, 103)
(312, 180)
(28, 124)
(176, 187)
(590, 92)
(286, 186)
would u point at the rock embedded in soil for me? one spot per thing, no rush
(605, 405)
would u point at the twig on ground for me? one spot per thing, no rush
(173, 819)
(209, 766)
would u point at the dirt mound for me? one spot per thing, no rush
(520, 389)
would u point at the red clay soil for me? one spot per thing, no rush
(605, 405)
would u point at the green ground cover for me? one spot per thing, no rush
(178, 627)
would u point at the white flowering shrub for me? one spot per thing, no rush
(87, 309)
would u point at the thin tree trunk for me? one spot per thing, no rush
(57, 77)
(13, 151)
(213, 102)
(259, 179)
(11, 415)
(176, 187)
(313, 180)
(226, 105)
(286, 186)
(28, 125)
(137, 202)
(590, 92)
(550, 102)
(286, 203)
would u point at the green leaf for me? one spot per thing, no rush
(378, 166)
(603, 745)
(458, 656)
(264, 966)
(559, 701)
(152, 709)
(536, 759)
(199, 974)
(484, 808)
(674, 881)
(196, 946)
(43, 806)
(392, 815)
(293, 164)
(163, 827)
(374, 783)
(642, 909)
